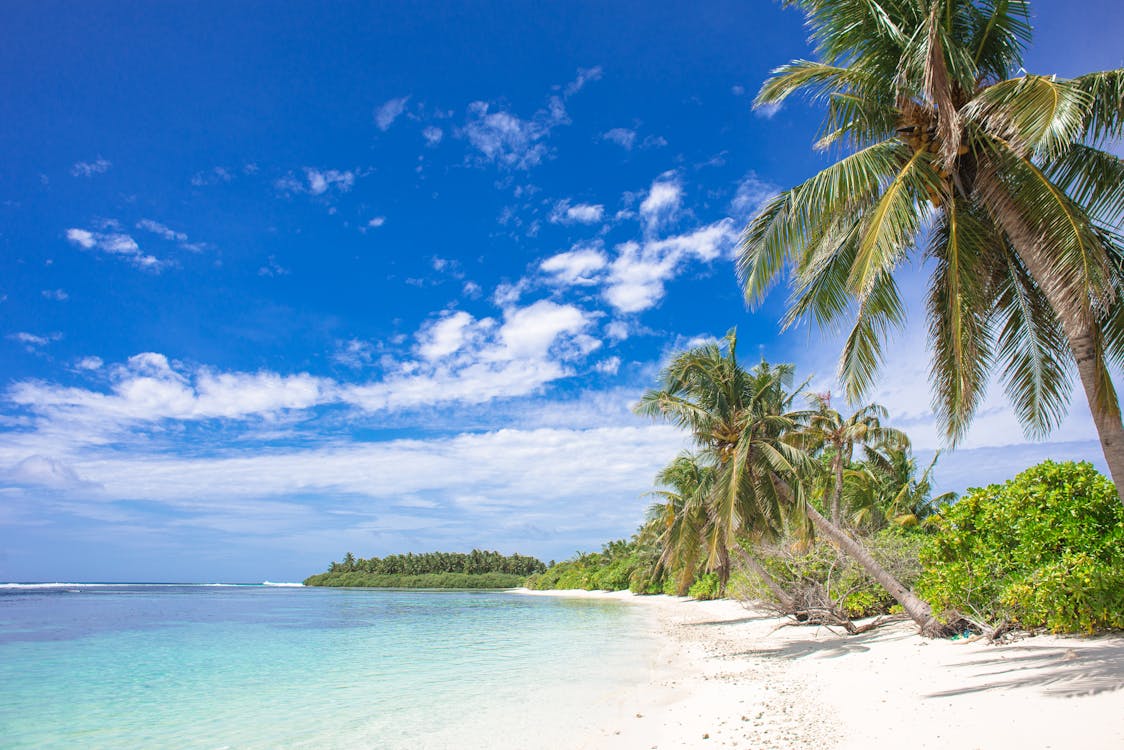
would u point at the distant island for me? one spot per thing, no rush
(479, 569)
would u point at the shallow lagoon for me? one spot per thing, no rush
(268, 666)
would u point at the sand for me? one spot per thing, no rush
(727, 676)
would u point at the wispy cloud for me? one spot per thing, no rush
(217, 175)
(433, 135)
(585, 76)
(58, 295)
(91, 168)
(34, 341)
(273, 268)
(389, 111)
(317, 181)
(564, 212)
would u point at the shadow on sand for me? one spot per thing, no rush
(1060, 671)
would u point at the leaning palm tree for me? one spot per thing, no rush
(744, 419)
(828, 429)
(994, 176)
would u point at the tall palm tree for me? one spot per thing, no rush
(827, 428)
(744, 419)
(993, 175)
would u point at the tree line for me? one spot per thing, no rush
(476, 562)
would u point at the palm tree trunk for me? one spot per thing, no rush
(917, 609)
(782, 596)
(1077, 323)
(723, 570)
(837, 492)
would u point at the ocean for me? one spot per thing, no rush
(276, 666)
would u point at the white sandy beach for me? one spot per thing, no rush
(727, 676)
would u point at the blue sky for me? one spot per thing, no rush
(280, 281)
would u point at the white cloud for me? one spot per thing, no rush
(767, 111)
(59, 295)
(623, 137)
(33, 341)
(580, 213)
(89, 363)
(608, 366)
(149, 388)
(507, 140)
(662, 203)
(272, 268)
(354, 353)
(448, 335)
(433, 135)
(376, 222)
(114, 243)
(638, 274)
(389, 111)
(752, 193)
(317, 181)
(91, 168)
(617, 330)
(217, 175)
(585, 75)
(161, 230)
(578, 267)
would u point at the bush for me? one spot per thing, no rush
(1043, 550)
(705, 587)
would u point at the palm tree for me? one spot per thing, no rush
(683, 524)
(827, 428)
(993, 175)
(739, 419)
(744, 420)
(885, 488)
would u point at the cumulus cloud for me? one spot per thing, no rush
(579, 213)
(91, 168)
(578, 267)
(116, 244)
(354, 353)
(389, 111)
(89, 363)
(59, 295)
(433, 135)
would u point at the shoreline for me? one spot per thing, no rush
(728, 675)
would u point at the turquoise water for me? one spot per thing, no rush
(263, 667)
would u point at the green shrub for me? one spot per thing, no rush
(1045, 549)
(705, 587)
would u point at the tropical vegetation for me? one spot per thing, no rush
(475, 569)
(995, 178)
(1043, 550)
